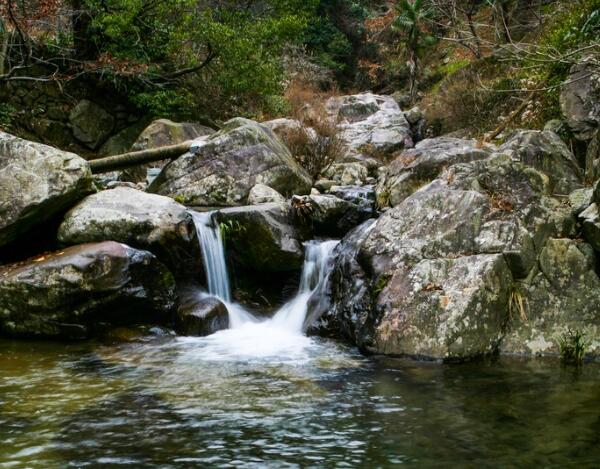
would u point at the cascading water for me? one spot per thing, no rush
(314, 275)
(279, 337)
(213, 255)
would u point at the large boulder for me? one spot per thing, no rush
(445, 308)
(433, 276)
(563, 295)
(370, 125)
(122, 141)
(262, 237)
(590, 221)
(37, 182)
(580, 99)
(226, 165)
(362, 196)
(347, 174)
(83, 289)
(201, 315)
(328, 215)
(286, 128)
(261, 194)
(546, 152)
(422, 164)
(145, 221)
(163, 132)
(91, 124)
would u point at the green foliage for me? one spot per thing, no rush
(334, 33)
(453, 66)
(232, 51)
(410, 23)
(572, 346)
(7, 116)
(165, 103)
(573, 27)
(230, 228)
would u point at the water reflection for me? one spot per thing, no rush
(171, 403)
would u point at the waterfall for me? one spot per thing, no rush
(281, 337)
(291, 316)
(213, 255)
(312, 282)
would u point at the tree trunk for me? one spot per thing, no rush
(413, 75)
(80, 23)
(134, 158)
(4, 40)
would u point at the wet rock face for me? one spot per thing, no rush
(145, 221)
(420, 165)
(201, 316)
(370, 125)
(83, 289)
(351, 315)
(37, 182)
(361, 196)
(562, 294)
(226, 165)
(262, 237)
(328, 215)
(579, 100)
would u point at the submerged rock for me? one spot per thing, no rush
(199, 315)
(37, 182)
(262, 237)
(83, 289)
(226, 165)
(145, 221)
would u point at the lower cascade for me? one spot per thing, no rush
(282, 335)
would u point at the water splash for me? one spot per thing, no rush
(315, 270)
(280, 337)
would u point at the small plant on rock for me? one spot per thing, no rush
(572, 346)
(230, 228)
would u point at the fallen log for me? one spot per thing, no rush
(134, 158)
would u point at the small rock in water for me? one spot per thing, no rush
(202, 316)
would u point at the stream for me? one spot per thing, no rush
(263, 394)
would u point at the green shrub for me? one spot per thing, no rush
(7, 117)
(572, 346)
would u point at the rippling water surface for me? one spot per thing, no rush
(224, 401)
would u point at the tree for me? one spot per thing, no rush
(410, 22)
(168, 56)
